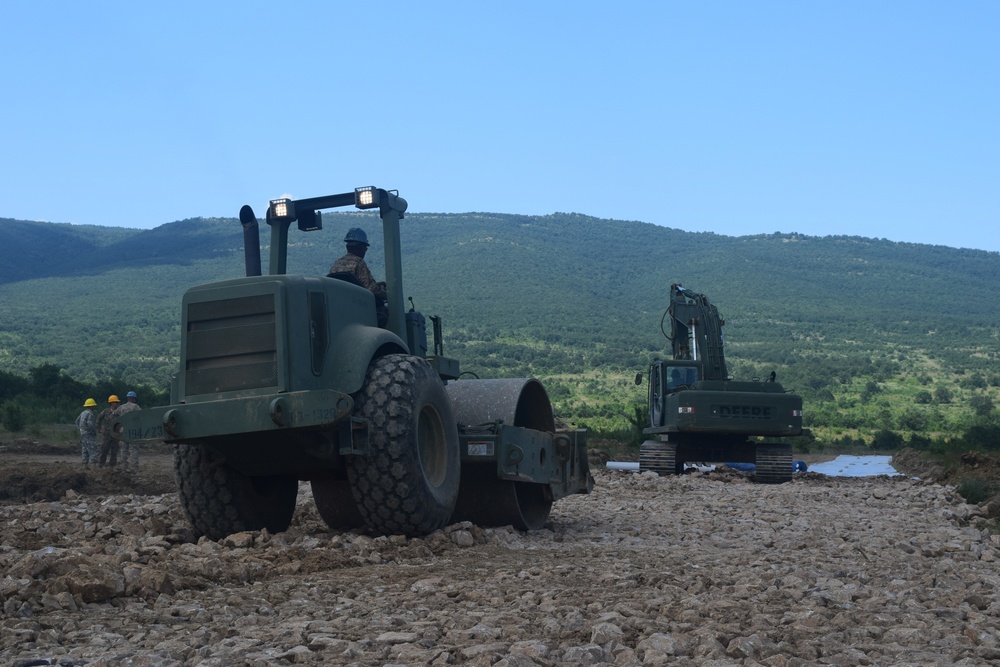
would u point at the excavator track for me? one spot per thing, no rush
(659, 457)
(774, 464)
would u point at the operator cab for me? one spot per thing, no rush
(681, 377)
(668, 377)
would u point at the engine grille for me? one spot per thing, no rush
(231, 345)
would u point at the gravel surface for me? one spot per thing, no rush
(703, 569)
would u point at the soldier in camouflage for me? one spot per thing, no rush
(353, 263)
(109, 443)
(87, 426)
(129, 450)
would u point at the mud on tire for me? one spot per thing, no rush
(219, 500)
(407, 484)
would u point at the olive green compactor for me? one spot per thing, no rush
(288, 378)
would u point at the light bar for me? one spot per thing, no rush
(282, 209)
(366, 197)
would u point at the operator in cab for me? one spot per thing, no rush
(353, 264)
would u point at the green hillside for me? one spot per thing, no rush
(574, 300)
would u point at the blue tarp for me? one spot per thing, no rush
(797, 466)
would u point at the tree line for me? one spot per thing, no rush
(47, 395)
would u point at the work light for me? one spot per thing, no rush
(366, 197)
(282, 209)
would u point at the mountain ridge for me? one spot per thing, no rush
(562, 295)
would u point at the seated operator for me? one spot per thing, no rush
(675, 379)
(353, 263)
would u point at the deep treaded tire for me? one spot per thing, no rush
(219, 500)
(407, 484)
(336, 504)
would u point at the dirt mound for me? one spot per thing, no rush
(36, 478)
(597, 458)
(971, 464)
(916, 464)
(975, 475)
(29, 446)
(979, 464)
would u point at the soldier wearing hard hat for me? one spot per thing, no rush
(109, 444)
(87, 425)
(352, 266)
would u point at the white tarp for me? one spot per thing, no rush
(843, 466)
(855, 466)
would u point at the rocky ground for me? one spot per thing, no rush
(703, 569)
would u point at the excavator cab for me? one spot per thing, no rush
(682, 377)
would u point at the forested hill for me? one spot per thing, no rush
(558, 295)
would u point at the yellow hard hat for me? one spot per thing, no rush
(113, 399)
(90, 403)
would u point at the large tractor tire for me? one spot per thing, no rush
(336, 505)
(407, 483)
(219, 500)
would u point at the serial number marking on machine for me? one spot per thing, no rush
(313, 416)
(481, 448)
(145, 434)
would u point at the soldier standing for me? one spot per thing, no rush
(109, 443)
(129, 450)
(87, 426)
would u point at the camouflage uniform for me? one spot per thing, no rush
(109, 443)
(86, 424)
(356, 266)
(129, 450)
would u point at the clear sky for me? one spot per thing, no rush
(877, 119)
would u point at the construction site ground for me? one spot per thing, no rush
(100, 568)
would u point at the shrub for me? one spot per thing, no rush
(942, 395)
(887, 440)
(12, 416)
(982, 406)
(983, 436)
(975, 490)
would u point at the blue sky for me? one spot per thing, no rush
(875, 119)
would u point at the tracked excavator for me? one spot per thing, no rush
(699, 413)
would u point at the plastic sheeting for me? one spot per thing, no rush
(856, 466)
(842, 466)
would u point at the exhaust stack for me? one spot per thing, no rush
(251, 240)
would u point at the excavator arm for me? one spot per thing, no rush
(696, 332)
